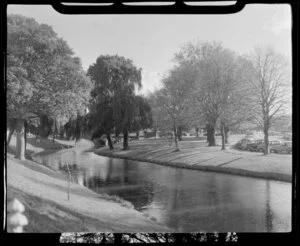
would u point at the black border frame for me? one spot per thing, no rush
(179, 8)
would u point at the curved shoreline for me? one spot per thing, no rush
(226, 170)
(28, 180)
(86, 210)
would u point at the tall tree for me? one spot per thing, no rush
(116, 78)
(37, 74)
(217, 82)
(216, 70)
(234, 96)
(169, 107)
(174, 97)
(270, 85)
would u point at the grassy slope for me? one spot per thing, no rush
(196, 155)
(43, 191)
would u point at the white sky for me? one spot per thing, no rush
(152, 40)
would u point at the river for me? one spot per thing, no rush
(184, 200)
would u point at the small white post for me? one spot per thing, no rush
(16, 220)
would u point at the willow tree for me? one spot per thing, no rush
(42, 75)
(115, 80)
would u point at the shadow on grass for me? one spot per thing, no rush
(40, 146)
(47, 144)
(200, 138)
(46, 216)
(12, 150)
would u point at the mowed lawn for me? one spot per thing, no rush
(196, 154)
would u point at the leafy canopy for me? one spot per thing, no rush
(115, 79)
(43, 76)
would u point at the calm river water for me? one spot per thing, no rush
(185, 200)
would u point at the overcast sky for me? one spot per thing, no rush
(152, 40)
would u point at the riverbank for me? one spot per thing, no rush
(197, 155)
(43, 192)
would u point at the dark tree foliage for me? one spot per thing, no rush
(113, 101)
(142, 114)
(45, 126)
(77, 127)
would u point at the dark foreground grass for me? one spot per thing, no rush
(47, 216)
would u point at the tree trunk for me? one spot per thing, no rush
(197, 132)
(54, 131)
(223, 135)
(25, 134)
(138, 134)
(211, 135)
(110, 144)
(266, 138)
(207, 136)
(11, 132)
(125, 140)
(20, 150)
(179, 133)
(226, 134)
(40, 131)
(156, 127)
(175, 139)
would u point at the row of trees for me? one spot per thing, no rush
(213, 87)
(48, 92)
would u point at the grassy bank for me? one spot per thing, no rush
(197, 155)
(43, 192)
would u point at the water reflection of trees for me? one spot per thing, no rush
(269, 213)
(122, 179)
(186, 199)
